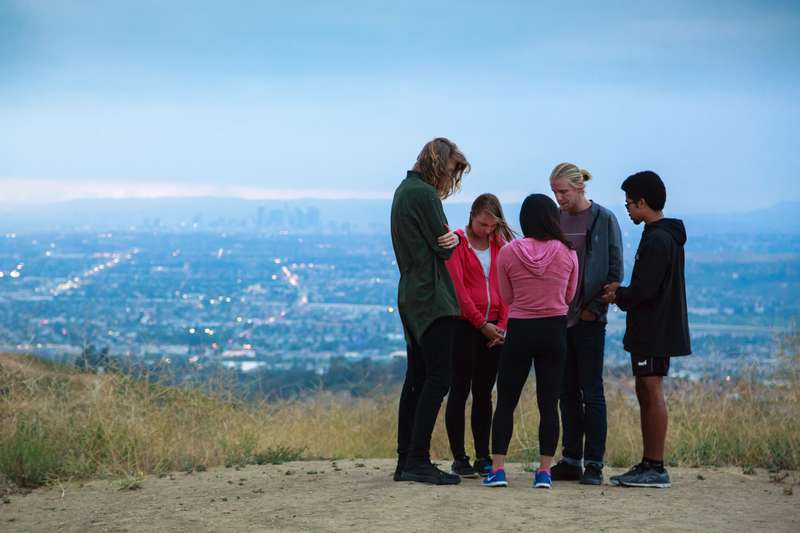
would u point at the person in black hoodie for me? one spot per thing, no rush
(657, 326)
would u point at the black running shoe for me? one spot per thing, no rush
(565, 471)
(461, 467)
(428, 473)
(398, 470)
(592, 475)
(647, 477)
(632, 472)
(483, 466)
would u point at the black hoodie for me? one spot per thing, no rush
(657, 324)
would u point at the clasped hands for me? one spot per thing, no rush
(495, 335)
(610, 292)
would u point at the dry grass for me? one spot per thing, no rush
(56, 423)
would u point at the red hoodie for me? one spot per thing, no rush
(478, 297)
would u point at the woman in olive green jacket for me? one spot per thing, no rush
(427, 302)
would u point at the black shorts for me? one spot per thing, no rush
(643, 365)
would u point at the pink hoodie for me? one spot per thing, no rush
(537, 279)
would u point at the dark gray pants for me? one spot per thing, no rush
(582, 401)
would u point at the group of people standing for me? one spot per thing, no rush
(480, 306)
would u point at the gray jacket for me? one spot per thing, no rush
(603, 262)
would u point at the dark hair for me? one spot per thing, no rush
(489, 203)
(540, 219)
(648, 185)
(432, 165)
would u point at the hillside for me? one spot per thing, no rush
(202, 460)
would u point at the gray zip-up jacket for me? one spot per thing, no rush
(603, 262)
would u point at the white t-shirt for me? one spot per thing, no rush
(485, 257)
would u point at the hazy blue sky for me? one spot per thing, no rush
(137, 98)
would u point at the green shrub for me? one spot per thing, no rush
(277, 455)
(29, 457)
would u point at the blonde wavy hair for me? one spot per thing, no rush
(432, 163)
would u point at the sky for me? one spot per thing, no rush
(335, 99)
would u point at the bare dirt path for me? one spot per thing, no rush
(361, 496)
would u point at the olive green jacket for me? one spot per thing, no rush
(426, 291)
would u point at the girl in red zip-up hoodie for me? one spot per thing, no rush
(480, 333)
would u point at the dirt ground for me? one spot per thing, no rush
(361, 496)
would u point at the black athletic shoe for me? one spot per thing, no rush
(461, 467)
(398, 470)
(636, 469)
(428, 473)
(647, 477)
(592, 475)
(564, 471)
(483, 467)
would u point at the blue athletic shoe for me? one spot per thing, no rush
(495, 479)
(541, 480)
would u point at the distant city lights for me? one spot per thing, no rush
(114, 259)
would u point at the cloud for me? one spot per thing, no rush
(17, 191)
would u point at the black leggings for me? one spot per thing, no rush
(427, 382)
(475, 369)
(543, 342)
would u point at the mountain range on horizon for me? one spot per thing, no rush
(356, 215)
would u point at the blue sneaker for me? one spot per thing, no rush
(495, 479)
(541, 480)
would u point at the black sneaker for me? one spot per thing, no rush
(636, 469)
(483, 466)
(428, 473)
(645, 476)
(565, 471)
(461, 467)
(398, 470)
(592, 475)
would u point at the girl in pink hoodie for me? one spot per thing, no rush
(479, 335)
(538, 276)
